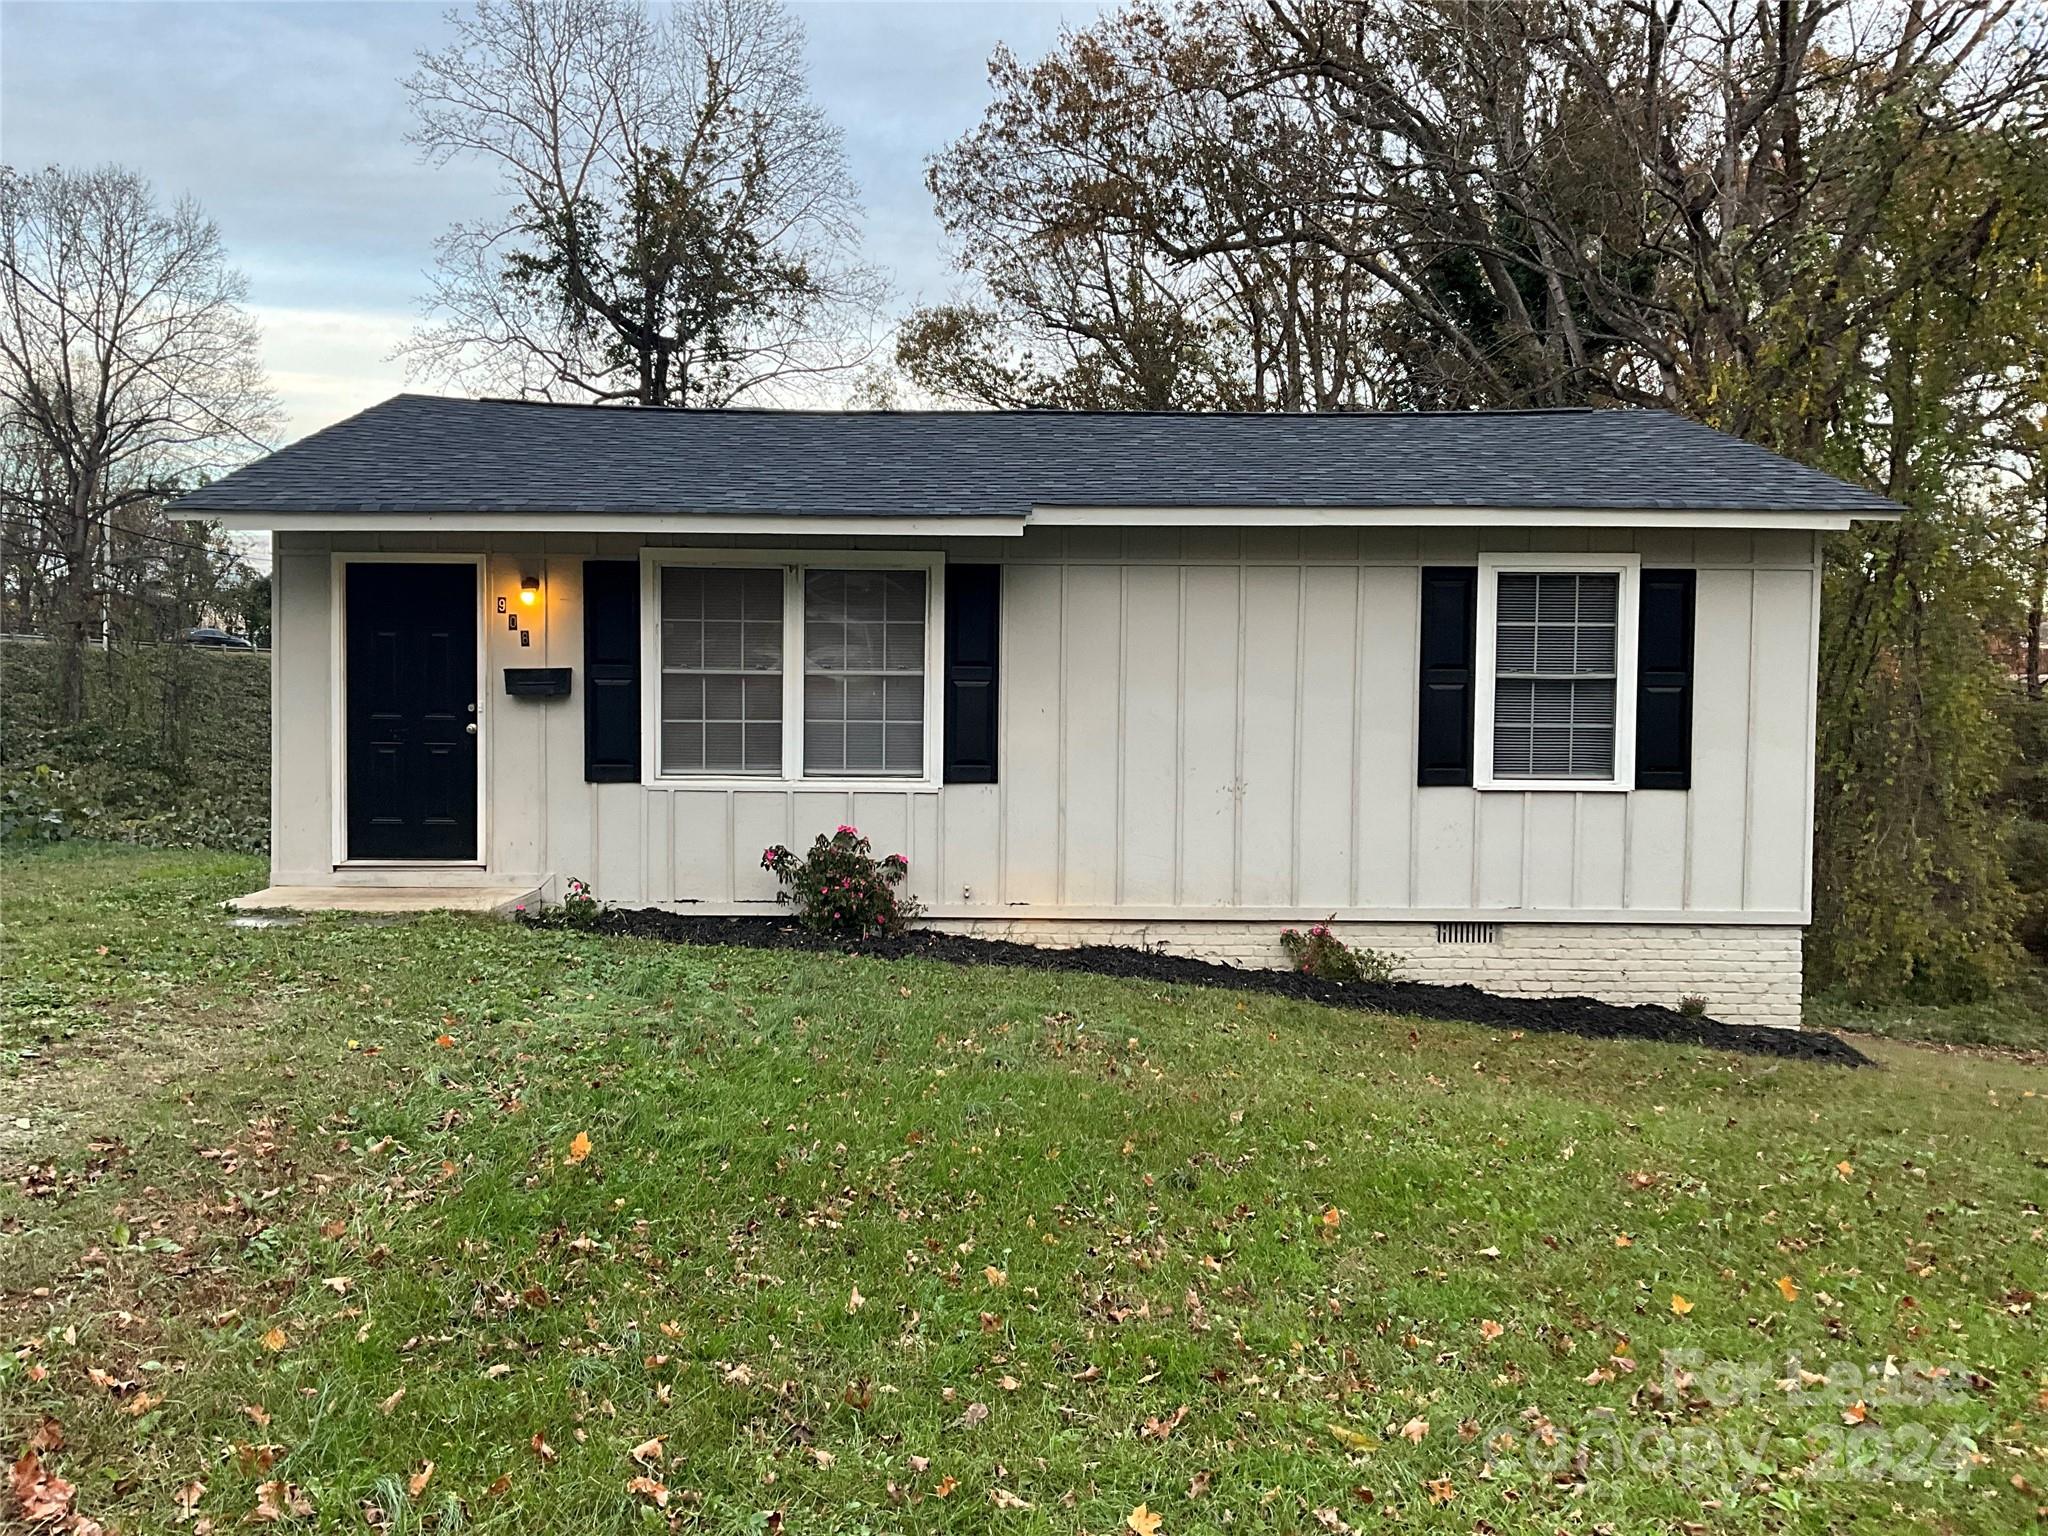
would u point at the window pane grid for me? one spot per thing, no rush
(1555, 666)
(864, 641)
(721, 670)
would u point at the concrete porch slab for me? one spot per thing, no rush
(499, 899)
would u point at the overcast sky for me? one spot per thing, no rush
(286, 122)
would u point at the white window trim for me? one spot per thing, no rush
(792, 564)
(1629, 569)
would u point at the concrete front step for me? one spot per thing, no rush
(496, 899)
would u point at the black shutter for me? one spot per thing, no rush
(1664, 680)
(974, 603)
(611, 671)
(1450, 596)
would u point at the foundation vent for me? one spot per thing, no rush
(1468, 933)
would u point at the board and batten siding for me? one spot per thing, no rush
(1194, 721)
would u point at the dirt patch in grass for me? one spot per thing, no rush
(1453, 1004)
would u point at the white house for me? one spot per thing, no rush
(1524, 698)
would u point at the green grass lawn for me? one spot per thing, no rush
(305, 1215)
(2014, 1017)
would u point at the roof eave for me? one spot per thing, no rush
(1828, 519)
(300, 520)
(954, 525)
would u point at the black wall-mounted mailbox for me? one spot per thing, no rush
(537, 682)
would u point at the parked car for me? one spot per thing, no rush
(218, 638)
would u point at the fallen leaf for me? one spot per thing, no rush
(1845, 1168)
(1414, 1430)
(997, 1278)
(391, 1402)
(1143, 1522)
(945, 1486)
(1159, 1429)
(417, 1483)
(1440, 1491)
(280, 1500)
(823, 1458)
(855, 1301)
(339, 1284)
(1489, 1330)
(649, 1489)
(1623, 1240)
(187, 1499)
(1200, 1484)
(1002, 1498)
(1350, 1439)
(1856, 1413)
(579, 1147)
(543, 1450)
(1787, 1288)
(975, 1414)
(1679, 1305)
(274, 1340)
(498, 1370)
(39, 1494)
(647, 1452)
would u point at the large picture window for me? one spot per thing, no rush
(1557, 641)
(787, 673)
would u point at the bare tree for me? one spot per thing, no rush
(1101, 206)
(128, 366)
(679, 209)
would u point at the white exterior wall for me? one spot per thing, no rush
(1197, 724)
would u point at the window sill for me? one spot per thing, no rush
(816, 786)
(1554, 786)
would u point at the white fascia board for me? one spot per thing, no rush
(783, 525)
(1442, 517)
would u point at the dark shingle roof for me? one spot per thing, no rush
(427, 453)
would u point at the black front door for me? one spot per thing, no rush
(412, 709)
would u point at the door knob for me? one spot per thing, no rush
(471, 727)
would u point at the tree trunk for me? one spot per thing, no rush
(2038, 602)
(74, 594)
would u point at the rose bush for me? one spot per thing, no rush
(841, 887)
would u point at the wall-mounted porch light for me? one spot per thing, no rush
(529, 590)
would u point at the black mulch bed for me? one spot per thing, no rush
(1461, 1004)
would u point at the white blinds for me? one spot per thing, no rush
(721, 670)
(864, 689)
(1554, 675)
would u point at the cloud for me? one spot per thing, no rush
(286, 122)
(329, 363)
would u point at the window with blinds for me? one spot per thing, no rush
(864, 684)
(721, 670)
(1554, 659)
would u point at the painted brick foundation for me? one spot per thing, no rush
(1748, 975)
